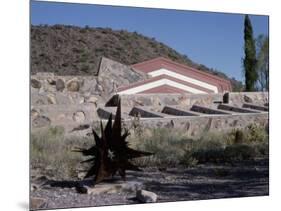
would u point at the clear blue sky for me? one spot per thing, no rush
(212, 39)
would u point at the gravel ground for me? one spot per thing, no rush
(243, 179)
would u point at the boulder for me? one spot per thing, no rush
(144, 196)
(60, 85)
(73, 85)
(35, 83)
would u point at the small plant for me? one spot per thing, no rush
(256, 134)
(188, 160)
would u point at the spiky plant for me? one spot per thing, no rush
(111, 153)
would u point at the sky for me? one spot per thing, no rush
(212, 39)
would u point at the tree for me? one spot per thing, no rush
(262, 44)
(249, 61)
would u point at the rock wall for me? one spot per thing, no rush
(71, 100)
(196, 125)
(160, 100)
(258, 98)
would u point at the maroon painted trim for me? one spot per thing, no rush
(133, 85)
(160, 62)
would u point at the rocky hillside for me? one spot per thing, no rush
(71, 50)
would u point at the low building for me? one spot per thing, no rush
(166, 76)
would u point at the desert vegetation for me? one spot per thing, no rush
(51, 150)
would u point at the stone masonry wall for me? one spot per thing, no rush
(194, 126)
(159, 100)
(258, 98)
(72, 100)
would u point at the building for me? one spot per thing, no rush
(166, 76)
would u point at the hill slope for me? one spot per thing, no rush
(71, 50)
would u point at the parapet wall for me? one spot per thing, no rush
(196, 125)
(160, 100)
(239, 98)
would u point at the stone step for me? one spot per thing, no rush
(235, 109)
(146, 113)
(255, 107)
(206, 110)
(171, 110)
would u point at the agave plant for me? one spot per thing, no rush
(111, 153)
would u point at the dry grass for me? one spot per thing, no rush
(51, 150)
(173, 147)
(51, 153)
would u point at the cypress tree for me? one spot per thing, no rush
(249, 61)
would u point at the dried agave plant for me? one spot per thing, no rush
(111, 153)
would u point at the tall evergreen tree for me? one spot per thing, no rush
(250, 60)
(262, 45)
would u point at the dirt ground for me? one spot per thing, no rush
(208, 181)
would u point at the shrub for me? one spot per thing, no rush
(173, 147)
(188, 159)
(238, 152)
(51, 152)
(256, 133)
(167, 144)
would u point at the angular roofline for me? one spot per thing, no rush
(182, 66)
(153, 79)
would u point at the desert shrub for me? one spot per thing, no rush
(188, 159)
(167, 144)
(238, 152)
(262, 148)
(173, 147)
(85, 68)
(51, 152)
(256, 133)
